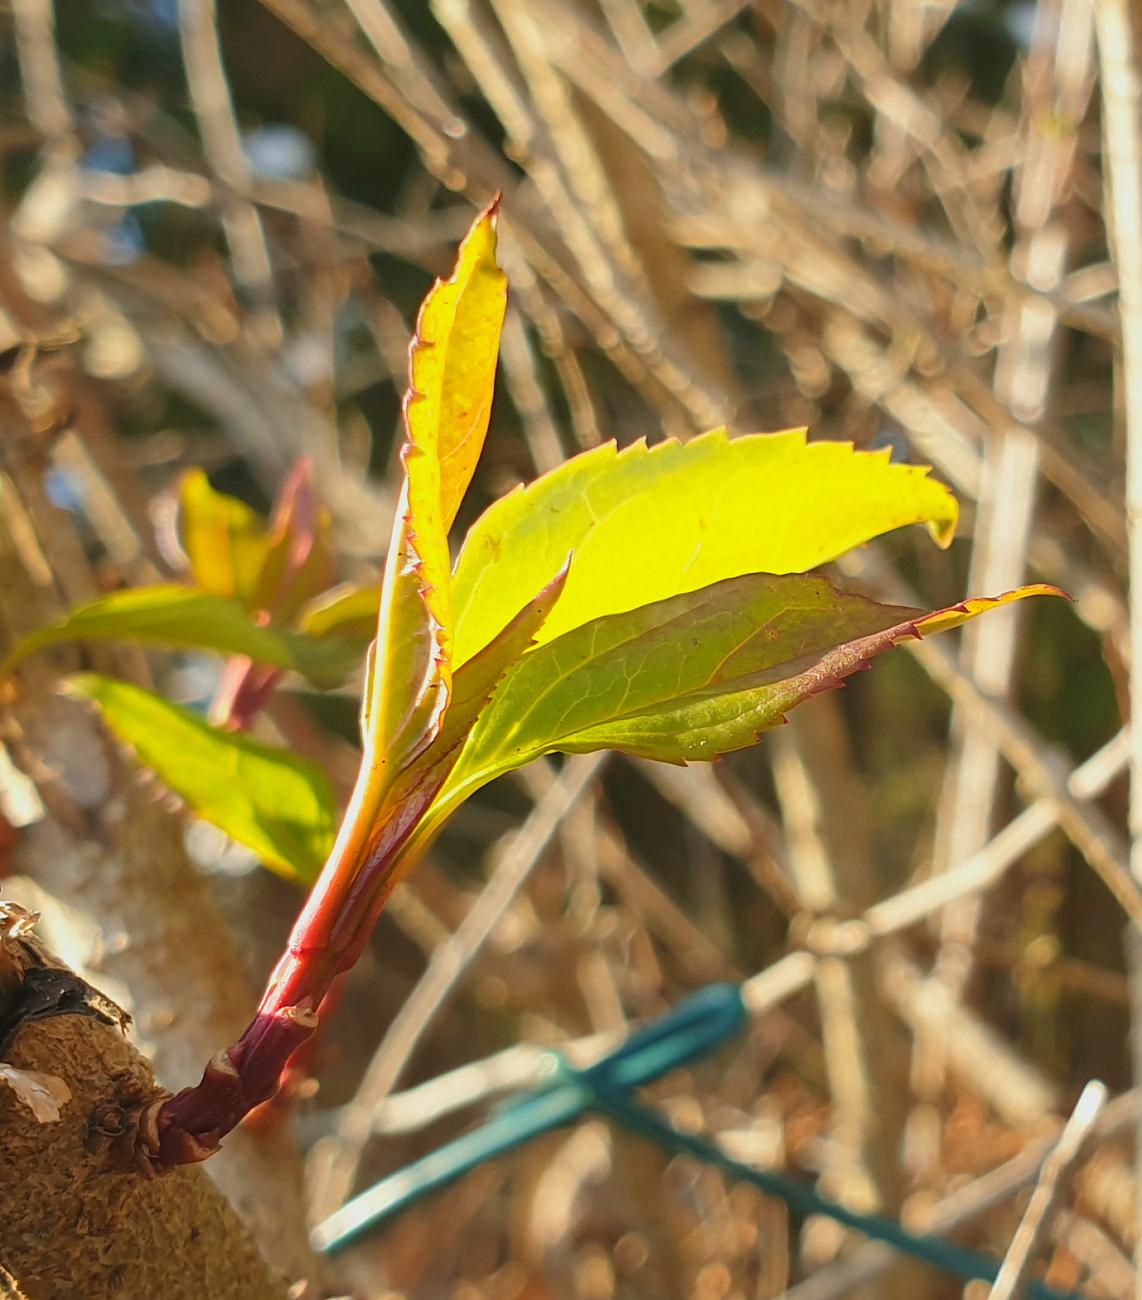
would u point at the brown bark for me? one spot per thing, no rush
(76, 1215)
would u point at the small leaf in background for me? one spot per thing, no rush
(277, 804)
(299, 558)
(452, 367)
(224, 539)
(649, 522)
(690, 677)
(176, 616)
(345, 611)
(243, 691)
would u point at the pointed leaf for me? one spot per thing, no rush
(268, 799)
(345, 611)
(690, 677)
(175, 616)
(452, 372)
(701, 729)
(224, 539)
(452, 363)
(647, 523)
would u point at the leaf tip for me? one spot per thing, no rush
(557, 583)
(479, 244)
(942, 528)
(943, 531)
(79, 686)
(942, 620)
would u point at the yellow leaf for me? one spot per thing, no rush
(942, 620)
(224, 539)
(452, 371)
(647, 523)
(452, 367)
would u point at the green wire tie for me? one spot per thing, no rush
(692, 1030)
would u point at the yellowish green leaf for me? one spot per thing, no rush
(645, 523)
(184, 617)
(690, 677)
(407, 691)
(452, 371)
(452, 365)
(344, 611)
(943, 620)
(274, 802)
(473, 686)
(224, 539)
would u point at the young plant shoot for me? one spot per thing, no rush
(654, 600)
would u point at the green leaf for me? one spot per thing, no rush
(690, 677)
(176, 616)
(647, 523)
(224, 539)
(476, 682)
(268, 799)
(389, 823)
(406, 689)
(452, 366)
(474, 685)
(344, 611)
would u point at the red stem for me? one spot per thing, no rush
(327, 939)
(243, 691)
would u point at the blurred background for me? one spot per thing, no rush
(883, 219)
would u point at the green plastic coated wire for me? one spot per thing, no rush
(693, 1029)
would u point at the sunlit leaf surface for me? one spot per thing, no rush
(647, 523)
(277, 804)
(452, 365)
(343, 611)
(693, 676)
(473, 687)
(183, 617)
(224, 539)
